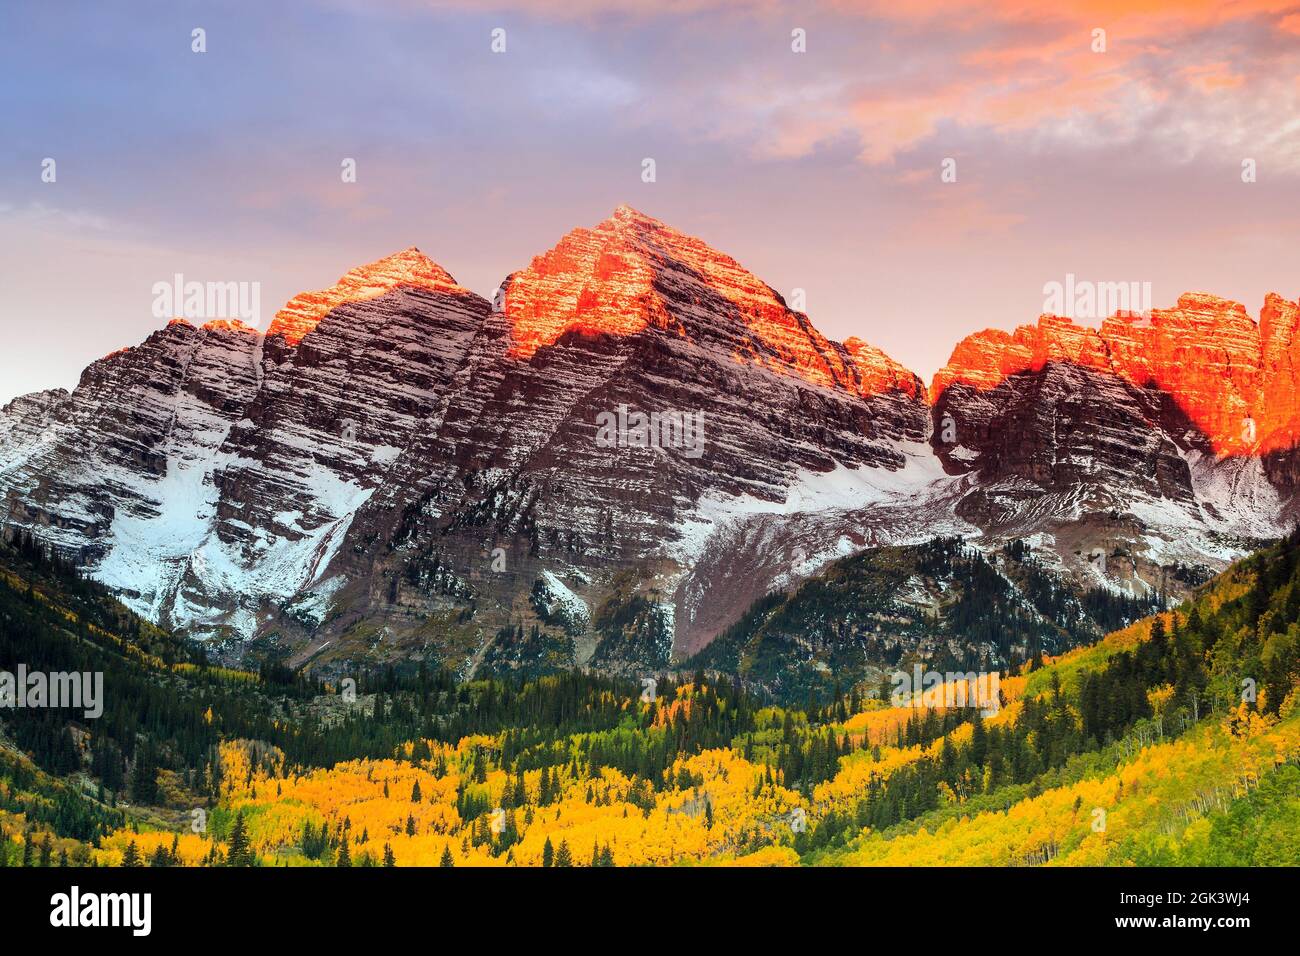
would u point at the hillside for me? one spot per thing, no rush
(1136, 749)
(941, 602)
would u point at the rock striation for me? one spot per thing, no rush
(632, 442)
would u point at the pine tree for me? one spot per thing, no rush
(548, 854)
(562, 856)
(144, 777)
(447, 859)
(239, 853)
(344, 858)
(415, 792)
(389, 859)
(132, 855)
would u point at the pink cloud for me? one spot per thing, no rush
(1016, 66)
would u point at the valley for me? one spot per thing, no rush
(1173, 740)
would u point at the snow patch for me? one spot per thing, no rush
(314, 604)
(569, 604)
(840, 489)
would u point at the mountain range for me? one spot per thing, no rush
(398, 467)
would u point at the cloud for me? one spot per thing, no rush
(889, 77)
(37, 216)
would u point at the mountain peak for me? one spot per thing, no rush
(633, 272)
(409, 268)
(227, 325)
(876, 373)
(1229, 375)
(625, 216)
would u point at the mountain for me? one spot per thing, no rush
(631, 315)
(942, 603)
(610, 462)
(1233, 380)
(1160, 442)
(118, 473)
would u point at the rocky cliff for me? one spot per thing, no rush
(631, 443)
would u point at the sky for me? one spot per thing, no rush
(1114, 156)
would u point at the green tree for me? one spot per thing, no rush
(239, 853)
(144, 777)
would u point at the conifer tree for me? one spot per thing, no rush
(239, 853)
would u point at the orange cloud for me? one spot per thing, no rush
(1017, 65)
(1213, 76)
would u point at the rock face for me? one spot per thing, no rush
(121, 460)
(1234, 381)
(609, 462)
(409, 269)
(331, 416)
(1175, 433)
(629, 318)
(209, 474)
